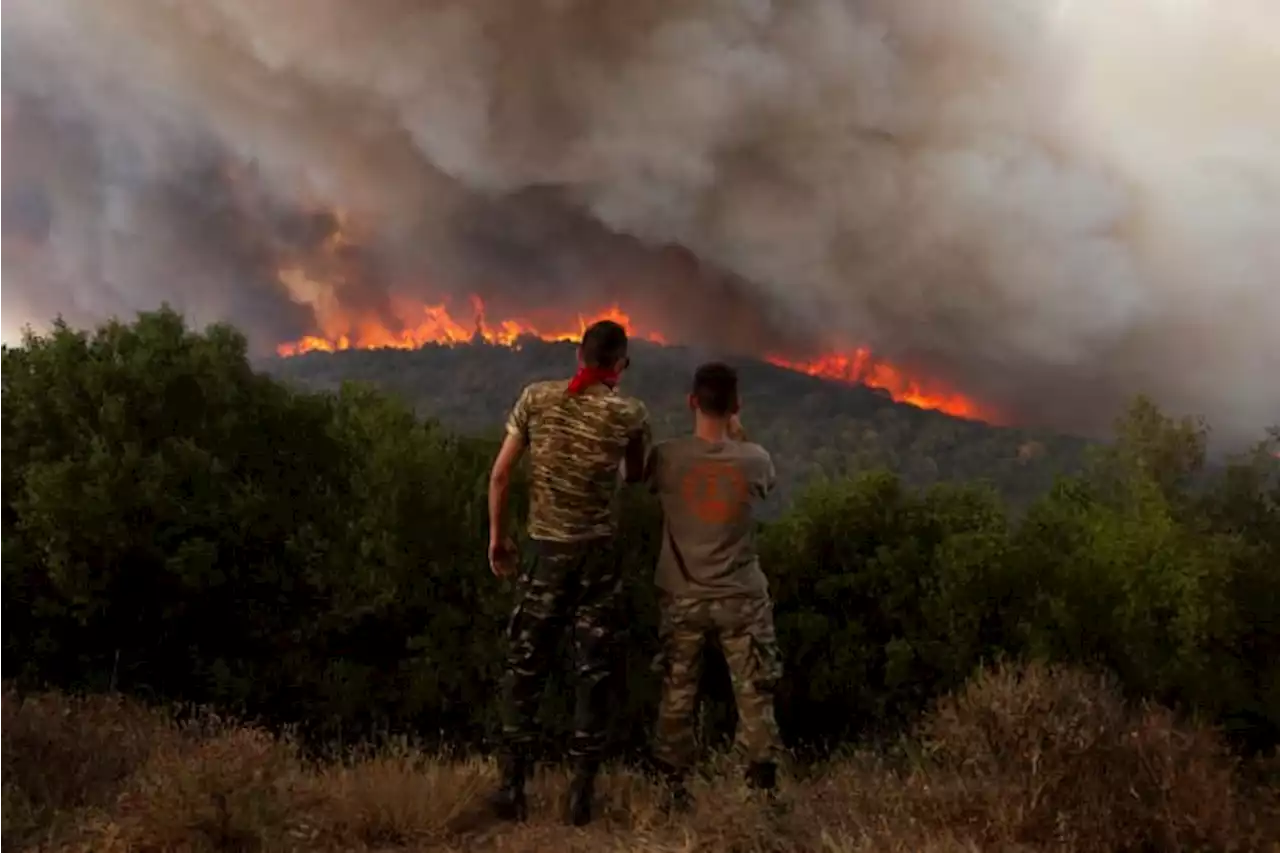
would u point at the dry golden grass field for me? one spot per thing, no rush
(1022, 759)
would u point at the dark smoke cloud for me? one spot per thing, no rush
(89, 234)
(1050, 206)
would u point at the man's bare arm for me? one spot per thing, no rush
(500, 483)
(770, 475)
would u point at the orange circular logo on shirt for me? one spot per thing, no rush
(715, 492)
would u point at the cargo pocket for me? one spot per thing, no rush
(766, 664)
(516, 612)
(765, 657)
(528, 564)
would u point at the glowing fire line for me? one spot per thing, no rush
(433, 324)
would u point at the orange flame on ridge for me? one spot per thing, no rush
(422, 324)
(433, 324)
(863, 368)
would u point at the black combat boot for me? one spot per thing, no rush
(678, 799)
(508, 802)
(763, 776)
(581, 792)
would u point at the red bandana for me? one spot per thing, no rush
(588, 376)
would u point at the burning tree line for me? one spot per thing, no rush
(179, 526)
(422, 324)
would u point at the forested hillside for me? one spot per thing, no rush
(813, 426)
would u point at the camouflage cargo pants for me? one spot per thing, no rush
(744, 625)
(574, 585)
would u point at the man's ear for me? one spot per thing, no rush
(693, 402)
(737, 406)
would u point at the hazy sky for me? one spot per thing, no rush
(1051, 206)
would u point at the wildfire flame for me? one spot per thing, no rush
(421, 324)
(433, 324)
(863, 368)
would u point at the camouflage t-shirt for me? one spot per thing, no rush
(576, 448)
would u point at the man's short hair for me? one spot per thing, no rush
(604, 345)
(715, 387)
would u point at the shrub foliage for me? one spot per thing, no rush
(180, 527)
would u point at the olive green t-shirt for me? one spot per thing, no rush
(709, 491)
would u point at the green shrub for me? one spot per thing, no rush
(885, 597)
(179, 527)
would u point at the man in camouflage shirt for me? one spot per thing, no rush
(710, 581)
(578, 434)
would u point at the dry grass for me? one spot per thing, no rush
(1023, 759)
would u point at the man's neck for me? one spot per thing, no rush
(711, 429)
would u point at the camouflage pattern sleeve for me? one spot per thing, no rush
(518, 420)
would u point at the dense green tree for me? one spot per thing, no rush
(178, 525)
(884, 596)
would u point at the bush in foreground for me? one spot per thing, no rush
(179, 527)
(1031, 757)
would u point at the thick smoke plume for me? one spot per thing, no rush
(1050, 206)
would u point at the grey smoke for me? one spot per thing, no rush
(1051, 206)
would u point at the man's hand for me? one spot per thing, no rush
(736, 432)
(502, 557)
(501, 550)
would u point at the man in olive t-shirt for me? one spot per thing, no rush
(710, 581)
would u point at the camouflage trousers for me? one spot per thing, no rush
(744, 626)
(573, 586)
